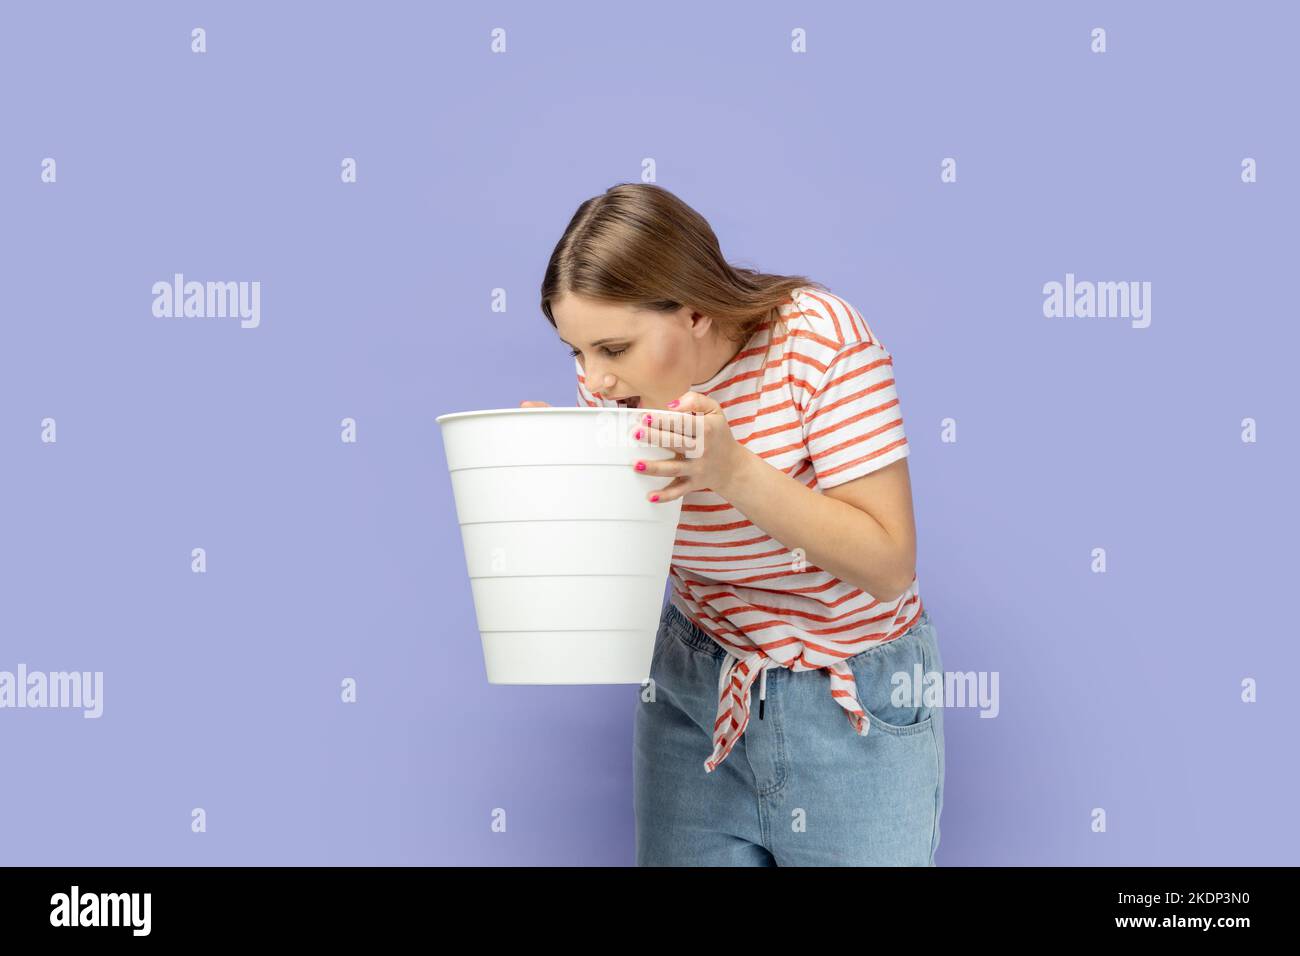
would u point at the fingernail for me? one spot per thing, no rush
(640, 466)
(638, 433)
(647, 420)
(673, 403)
(654, 497)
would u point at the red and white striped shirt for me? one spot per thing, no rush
(824, 409)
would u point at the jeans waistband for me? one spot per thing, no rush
(690, 633)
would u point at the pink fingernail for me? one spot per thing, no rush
(638, 433)
(640, 466)
(647, 420)
(654, 497)
(673, 403)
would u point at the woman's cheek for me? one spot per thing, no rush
(667, 361)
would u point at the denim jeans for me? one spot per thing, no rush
(800, 787)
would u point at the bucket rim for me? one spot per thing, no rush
(564, 409)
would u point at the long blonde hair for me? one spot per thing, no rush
(638, 244)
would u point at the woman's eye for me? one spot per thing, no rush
(612, 353)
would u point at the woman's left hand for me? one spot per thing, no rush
(708, 456)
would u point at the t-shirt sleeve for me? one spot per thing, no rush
(585, 398)
(852, 420)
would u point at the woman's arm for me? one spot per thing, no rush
(861, 531)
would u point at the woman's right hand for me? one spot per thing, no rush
(534, 405)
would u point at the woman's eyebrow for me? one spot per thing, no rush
(614, 338)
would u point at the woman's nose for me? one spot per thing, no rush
(606, 384)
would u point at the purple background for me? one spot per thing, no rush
(1118, 690)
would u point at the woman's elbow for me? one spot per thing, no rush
(900, 586)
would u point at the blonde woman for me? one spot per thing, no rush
(791, 723)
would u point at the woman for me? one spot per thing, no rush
(794, 563)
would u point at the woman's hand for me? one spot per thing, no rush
(534, 405)
(708, 457)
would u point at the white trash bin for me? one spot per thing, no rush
(567, 558)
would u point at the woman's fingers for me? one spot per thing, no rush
(674, 489)
(534, 404)
(679, 440)
(662, 467)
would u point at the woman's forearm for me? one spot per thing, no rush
(834, 535)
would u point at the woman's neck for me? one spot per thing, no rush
(719, 355)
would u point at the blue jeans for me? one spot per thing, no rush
(800, 787)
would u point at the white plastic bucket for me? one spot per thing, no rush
(567, 558)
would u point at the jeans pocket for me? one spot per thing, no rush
(893, 683)
(666, 634)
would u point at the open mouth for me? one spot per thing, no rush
(633, 402)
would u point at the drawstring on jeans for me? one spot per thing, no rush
(762, 692)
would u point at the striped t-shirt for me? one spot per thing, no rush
(824, 409)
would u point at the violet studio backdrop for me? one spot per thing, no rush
(328, 560)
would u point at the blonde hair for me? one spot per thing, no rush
(638, 244)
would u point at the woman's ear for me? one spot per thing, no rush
(700, 324)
